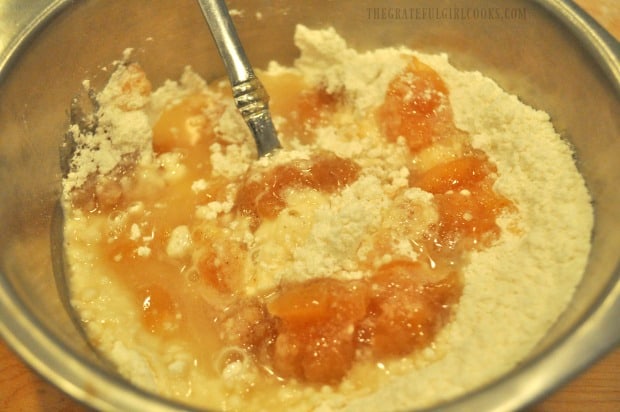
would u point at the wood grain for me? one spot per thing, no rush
(598, 389)
(23, 390)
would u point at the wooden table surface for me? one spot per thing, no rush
(598, 389)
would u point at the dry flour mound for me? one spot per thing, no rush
(515, 290)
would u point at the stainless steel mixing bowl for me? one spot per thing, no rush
(551, 55)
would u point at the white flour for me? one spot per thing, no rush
(513, 291)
